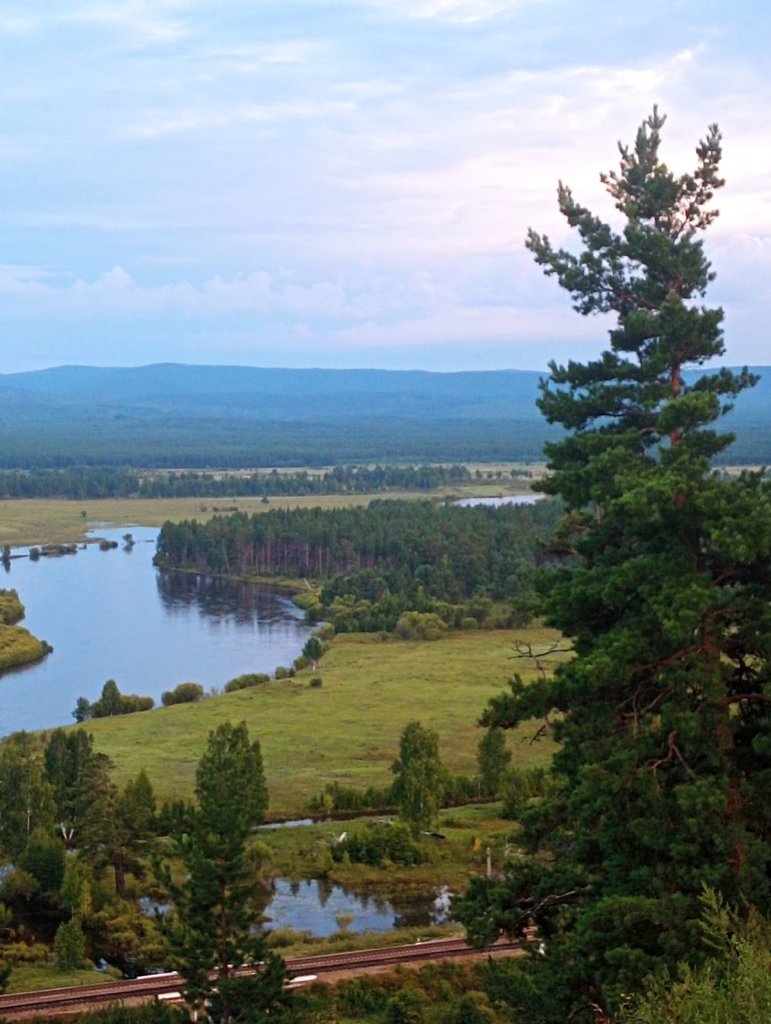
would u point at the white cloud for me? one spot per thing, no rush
(151, 20)
(377, 161)
(159, 124)
(18, 24)
(250, 58)
(460, 11)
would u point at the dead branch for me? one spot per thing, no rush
(673, 754)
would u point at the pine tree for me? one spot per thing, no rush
(663, 713)
(212, 932)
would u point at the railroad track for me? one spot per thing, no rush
(67, 1001)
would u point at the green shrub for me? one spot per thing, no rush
(112, 702)
(473, 1008)
(185, 693)
(11, 608)
(360, 996)
(335, 797)
(132, 703)
(521, 787)
(420, 626)
(378, 843)
(26, 953)
(732, 987)
(44, 860)
(247, 680)
(408, 1006)
(316, 682)
(70, 945)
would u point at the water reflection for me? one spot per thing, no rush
(112, 615)
(318, 905)
(216, 598)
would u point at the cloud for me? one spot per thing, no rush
(454, 11)
(248, 59)
(14, 25)
(150, 20)
(161, 123)
(356, 173)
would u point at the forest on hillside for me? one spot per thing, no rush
(235, 417)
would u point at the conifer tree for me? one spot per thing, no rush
(662, 780)
(213, 929)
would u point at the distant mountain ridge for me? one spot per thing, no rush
(399, 392)
(180, 414)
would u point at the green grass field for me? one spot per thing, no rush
(347, 730)
(32, 977)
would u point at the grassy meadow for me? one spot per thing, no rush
(348, 729)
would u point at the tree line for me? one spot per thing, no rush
(83, 482)
(57, 440)
(378, 562)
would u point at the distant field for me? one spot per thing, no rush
(346, 731)
(44, 521)
(41, 521)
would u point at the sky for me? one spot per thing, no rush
(349, 183)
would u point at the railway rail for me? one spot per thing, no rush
(63, 1002)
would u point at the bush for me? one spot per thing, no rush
(522, 786)
(733, 986)
(361, 997)
(70, 945)
(11, 608)
(282, 672)
(473, 1008)
(247, 680)
(408, 1006)
(132, 702)
(316, 682)
(112, 702)
(185, 693)
(420, 626)
(335, 797)
(459, 789)
(44, 860)
(26, 953)
(378, 843)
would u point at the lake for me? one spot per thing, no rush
(113, 615)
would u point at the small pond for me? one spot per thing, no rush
(323, 908)
(317, 906)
